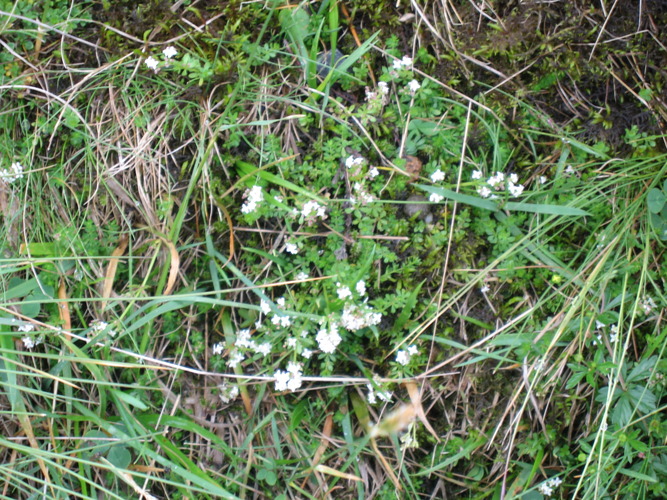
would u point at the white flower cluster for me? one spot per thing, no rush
(403, 356)
(354, 161)
(343, 292)
(99, 327)
(301, 276)
(361, 194)
(154, 64)
(253, 197)
(355, 317)
(228, 392)
(374, 395)
(290, 379)
(311, 210)
(435, 198)
(328, 338)
(547, 487)
(11, 174)
(647, 304)
(404, 63)
(242, 345)
(413, 86)
(291, 247)
(380, 96)
(613, 335)
(498, 182)
(29, 342)
(438, 176)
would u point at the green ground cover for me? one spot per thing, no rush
(332, 250)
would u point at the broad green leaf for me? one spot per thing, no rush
(119, 456)
(655, 200)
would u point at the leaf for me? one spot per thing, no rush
(655, 200)
(493, 206)
(130, 400)
(643, 369)
(407, 309)
(545, 209)
(474, 201)
(119, 456)
(638, 475)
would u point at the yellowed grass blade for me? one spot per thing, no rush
(107, 283)
(333, 472)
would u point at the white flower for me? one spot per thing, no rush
(569, 170)
(291, 248)
(484, 191)
(355, 318)
(361, 288)
(343, 292)
(399, 64)
(26, 327)
(370, 95)
(373, 172)
(253, 198)
(371, 395)
(301, 276)
(291, 341)
(402, 357)
(477, 174)
(328, 339)
(290, 379)
(384, 88)
(101, 326)
(412, 350)
(435, 198)
(599, 324)
(264, 349)
(264, 306)
(438, 176)
(218, 348)
(307, 353)
(545, 489)
(280, 301)
(647, 304)
(234, 358)
(384, 396)
(543, 179)
(151, 63)
(243, 338)
(413, 86)
(283, 321)
(227, 392)
(555, 482)
(14, 173)
(170, 52)
(313, 209)
(353, 161)
(496, 180)
(28, 342)
(515, 189)
(281, 378)
(485, 288)
(362, 193)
